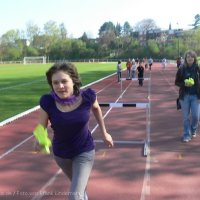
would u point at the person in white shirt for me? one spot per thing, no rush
(150, 61)
(133, 68)
(119, 71)
(164, 63)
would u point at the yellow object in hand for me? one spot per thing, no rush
(189, 81)
(186, 81)
(41, 136)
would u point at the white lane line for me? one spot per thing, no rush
(42, 191)
(15, 147)
(7, 121)
(105, 87)
(22, 84)
(146, 181)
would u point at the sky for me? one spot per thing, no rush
(88, 16)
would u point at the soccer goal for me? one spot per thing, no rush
(34, 59)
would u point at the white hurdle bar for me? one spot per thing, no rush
(120, 105)
(134, 79)
(123, 142)
(136, 105)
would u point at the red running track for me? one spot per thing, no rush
(169, 172)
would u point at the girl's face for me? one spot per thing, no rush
(189, 59)
(62, 84)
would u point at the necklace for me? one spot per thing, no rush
(66, 101)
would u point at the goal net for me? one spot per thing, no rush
(34, 59)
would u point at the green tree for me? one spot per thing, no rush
(145, 25)
(32, 30)
(105, 28)
(126, 29)
(153, 48)
(196, 23)
(11, 46)
(118, 30)
(62, 31)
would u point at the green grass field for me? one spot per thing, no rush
(22, 85)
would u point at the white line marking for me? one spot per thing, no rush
(19, 116)
(15, 147)
(42, 191)
(22, 84)
(146, 181)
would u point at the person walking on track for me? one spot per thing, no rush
(128, 67)
(150, 61)
(140, 70)
(68, 110)
(164, 63)
(188, 81)
(133, 68)
(119, 71)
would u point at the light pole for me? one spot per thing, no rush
(178, 47)
(26, 44)
(178, 35)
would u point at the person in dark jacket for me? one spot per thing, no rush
(140, 70)
(188, 81)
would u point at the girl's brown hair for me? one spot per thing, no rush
(191, 53)
(69, 69)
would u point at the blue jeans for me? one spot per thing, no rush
(133, 74)
(189, 105)
(128, 73)
(119, 76)
(78, 170)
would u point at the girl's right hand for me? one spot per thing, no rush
(40, 149)
(37, 147)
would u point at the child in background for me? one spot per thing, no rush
(119, 71)
(140, 70)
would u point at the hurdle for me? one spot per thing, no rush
(144, 142)
(132, 79)
(120, 105)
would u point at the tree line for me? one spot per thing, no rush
(145, 39)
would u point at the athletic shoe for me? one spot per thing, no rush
(194, 135)
(186, 139)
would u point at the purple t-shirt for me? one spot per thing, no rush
(71, 132)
